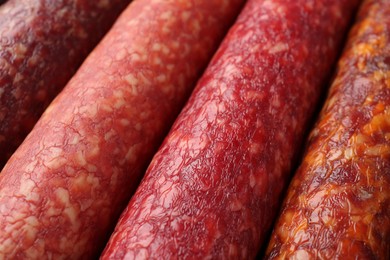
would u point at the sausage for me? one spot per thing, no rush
(338, 204)
(213, 188)
(64, 188)
(42, 43)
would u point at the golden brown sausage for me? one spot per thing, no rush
(338, 205)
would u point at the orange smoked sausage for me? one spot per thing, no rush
(338, 205)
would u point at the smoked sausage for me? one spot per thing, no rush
(338, 204)
(42, 43)
(62, 191)
(213, 189)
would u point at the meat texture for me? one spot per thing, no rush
(62, 191)
(213, 188)
(338, 205)
(42, 43)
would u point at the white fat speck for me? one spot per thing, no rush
(124, 122)
(74, 140)
(135, 57)
(236, 205)
(120, 55)
(175, 44)
(18, 77)
(196, 26)
(157, 61)
(301, 254)
(32, 221)
(252, 180)
(231, 69)
(278, 47)
(185, 16)
(80, 158)
(156, 47)
(348, 153)
(131, 155)
(144, 115)
(165, 49)
(166, 15)
(71, 214)
(118, 93)
(254, 148)
(334, 154)
(109, 135)
(56, 163)
(63, 196)
(26, 187)
(119, 103)
(106, 108)
(161, 78)
(144, 79)
(275, 101)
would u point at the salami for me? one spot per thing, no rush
(213, 188)
(62, 191)
(42, 43)
(338, 205)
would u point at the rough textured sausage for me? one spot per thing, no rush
(62, 191)
(338, 205)
(214, 186)
(42, 43)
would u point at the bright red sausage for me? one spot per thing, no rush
(62, 191)
(213, 188)
(338, 205)
(42, 43)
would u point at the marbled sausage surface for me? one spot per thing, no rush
(213, 189)
(42, 43)
(64, 188)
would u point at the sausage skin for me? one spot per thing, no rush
(338, 204)
(213, 188)
(62, 191)
(42, 43)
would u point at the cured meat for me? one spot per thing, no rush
(42, 43)
(62, 191)
(338, 205)
(213, 188)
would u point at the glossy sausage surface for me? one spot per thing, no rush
(63, 189)
(213, 189)
(338, 205)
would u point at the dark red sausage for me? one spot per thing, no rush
(42, 43)
(338, 205)
(213, 188)
(62, 191)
